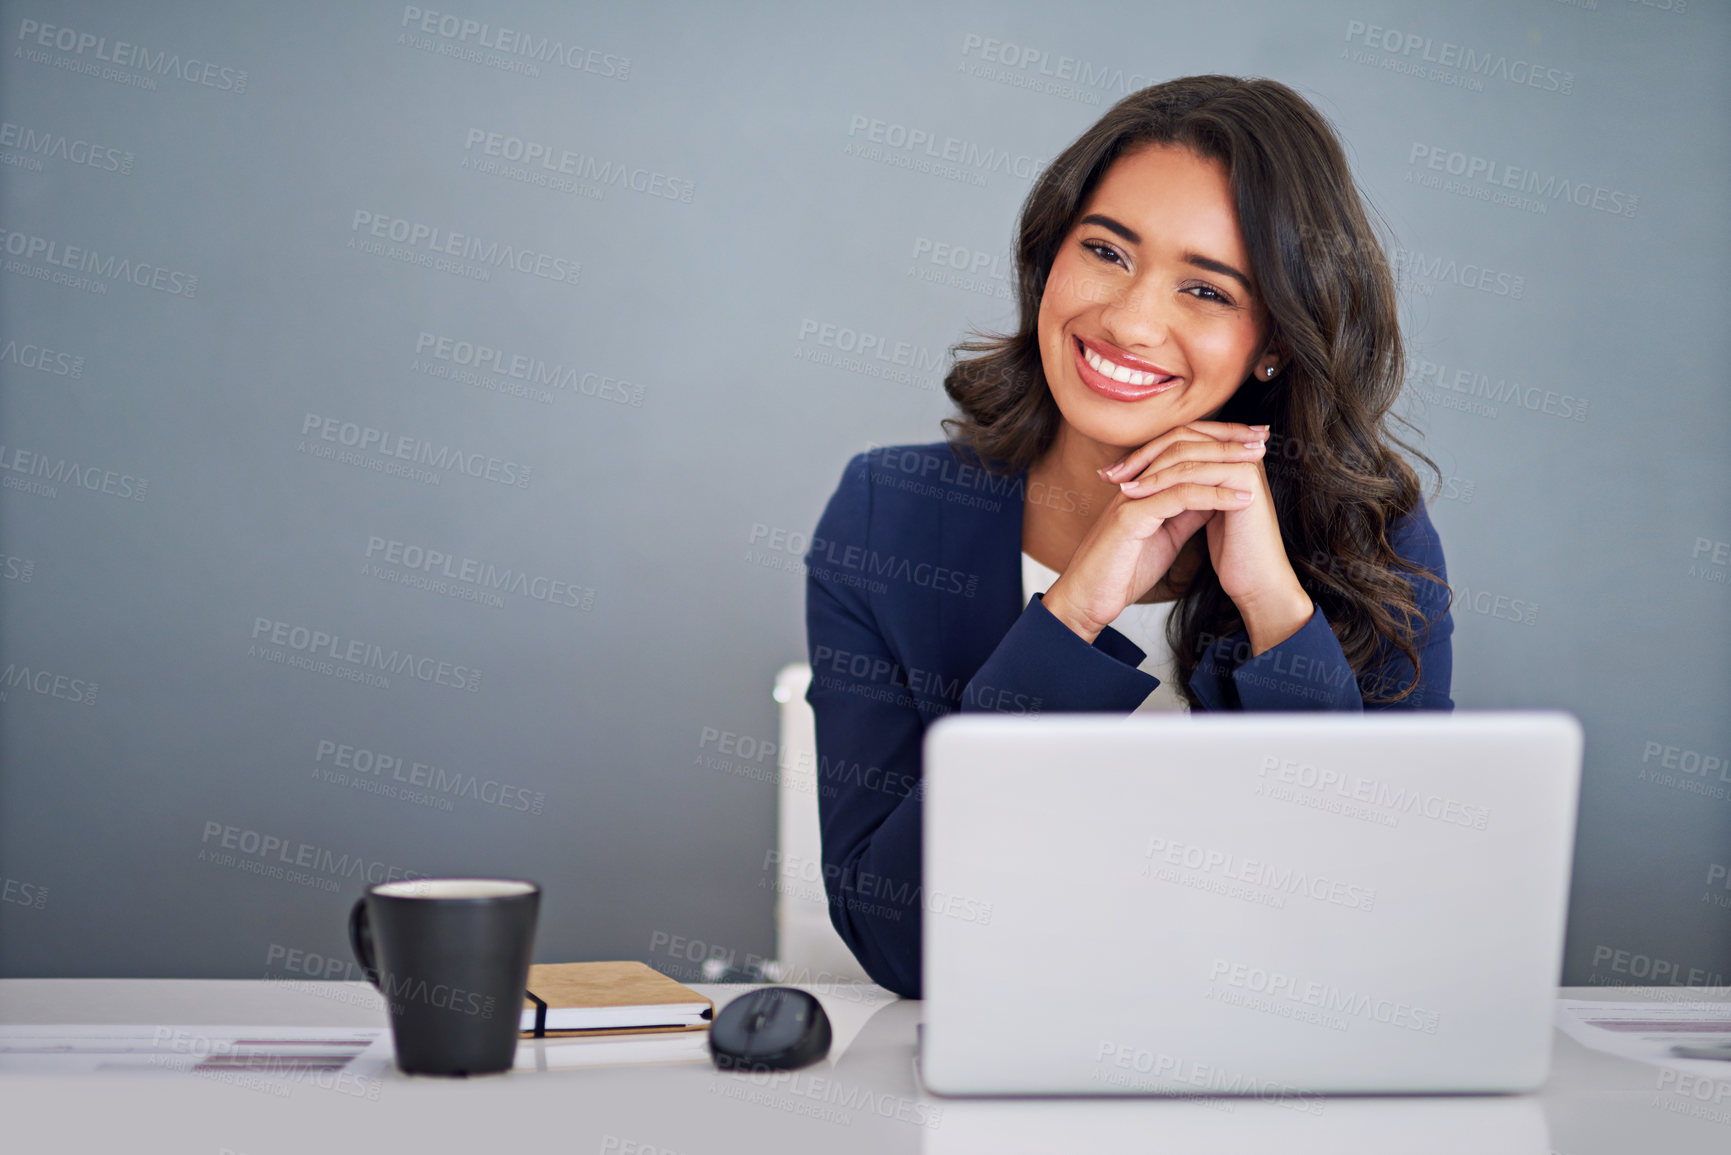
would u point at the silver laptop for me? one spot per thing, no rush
(1266, 904)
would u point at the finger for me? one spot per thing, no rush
(1236, 474)
(1138, 460)
(1229, 430)
(1181, 526)
(1170, 503)
(1206, 450)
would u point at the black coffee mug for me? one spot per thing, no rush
(451, 956)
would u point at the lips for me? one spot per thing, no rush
(1145, 379)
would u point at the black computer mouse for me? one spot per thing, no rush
(773, 1029)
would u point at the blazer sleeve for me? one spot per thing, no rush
(1309, 671)
(868, 743)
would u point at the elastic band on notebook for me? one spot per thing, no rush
(540, 1014)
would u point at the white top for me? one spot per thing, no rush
(1143, 623)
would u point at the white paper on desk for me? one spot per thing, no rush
(1646, 1032)
(347, 1059)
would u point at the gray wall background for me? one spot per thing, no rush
(193, 299)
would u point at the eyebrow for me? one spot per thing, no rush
(1197, 259)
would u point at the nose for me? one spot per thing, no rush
(1137, 317)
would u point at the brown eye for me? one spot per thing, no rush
(1103, 252)
(1208, 293)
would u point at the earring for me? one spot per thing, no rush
(1270, 370)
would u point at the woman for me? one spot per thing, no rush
(1172, 487)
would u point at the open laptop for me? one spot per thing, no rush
(1264, 904)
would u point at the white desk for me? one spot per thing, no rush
(863, 1099)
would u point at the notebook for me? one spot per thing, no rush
(598, 998)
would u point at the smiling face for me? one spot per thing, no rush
(1147, 321)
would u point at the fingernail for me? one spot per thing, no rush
(1127, 486)
(1241, 495)
(1254, 444)
(1111, 469)
(1260, 428)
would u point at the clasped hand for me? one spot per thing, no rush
(1204, 474)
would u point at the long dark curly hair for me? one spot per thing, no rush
(1337, 482)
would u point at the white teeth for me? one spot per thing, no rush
(1115, 371)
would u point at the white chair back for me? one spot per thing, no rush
(807, 946)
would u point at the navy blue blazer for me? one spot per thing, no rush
(914, 610)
